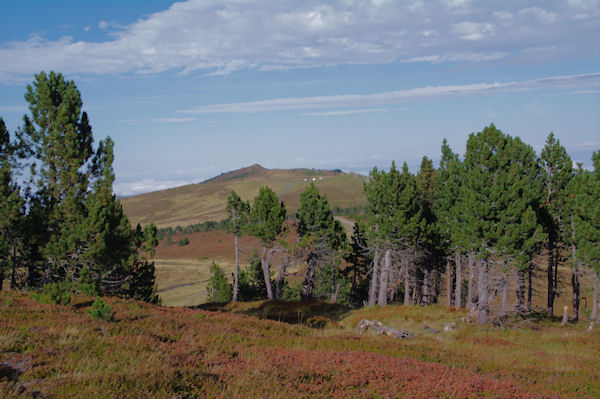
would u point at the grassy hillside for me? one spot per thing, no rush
(196, 203)
(154, 352)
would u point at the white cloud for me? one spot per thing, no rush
(345, 112)
(87, 29)
(173, 120)
(399, 96)
(221, 37)
(148, 185)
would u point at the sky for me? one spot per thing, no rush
(190, 89)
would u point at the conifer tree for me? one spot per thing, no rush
(429, 241)
(11, 206)
(61, 140)
(266, 223)
(448, 218)
(485, 159)
(321, 236)
(237, 219)
(359, 260)
(587, 224)
(557, 172)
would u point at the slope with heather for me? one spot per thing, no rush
(197, 203)
(150, 351)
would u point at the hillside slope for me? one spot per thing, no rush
(196, 203)
(52, 351)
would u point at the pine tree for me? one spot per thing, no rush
(359, 260)
(557, 172)
(587, 222)
(266, 223)
(321, 237)
(485, 158)
(237, 220)
(218, 289)
(448, 218)
(61, 140)
(11, 207)
(429, 242)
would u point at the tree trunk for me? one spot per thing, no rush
(383, 282)
(448, 284)
(574, 273)
(307, 286)
(374, 278)
(406, 283)
(425, 288)
(504, 294)
(458, 296)
(1, 279)
(281, 278)
(550, 304)
(594, 314)
(520, 291)
(267, 273)
(529, 286)
(237, 270)
(471, 280)
(483, 308)
(334, 288)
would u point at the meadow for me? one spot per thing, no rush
(233, 351)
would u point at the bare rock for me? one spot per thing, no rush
(377, 327)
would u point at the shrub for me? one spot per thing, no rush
(218, 289)
(55, 293)
(183, 241)
(291, 292)
(86, 284)
(100, 310)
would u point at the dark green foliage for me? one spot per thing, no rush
(100, 310)
(74, 227)
(193, 228)
(359, 260)
(291, 291)
(587, 211)
(88, 284)
(55, 293)
(183, 241)
(266, 216)
(251, 281)
(266, 223)
(218, 289)
(11, 205)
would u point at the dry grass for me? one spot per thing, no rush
(196, 203)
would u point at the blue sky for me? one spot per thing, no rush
(191, 89)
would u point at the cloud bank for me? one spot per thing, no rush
(394, 97)
(219, 37)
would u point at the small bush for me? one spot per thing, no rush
(291, 292)
(183, 241)
(100, 310)
(55, 293)
(218, 288)
(86, 284)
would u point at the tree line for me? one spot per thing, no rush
(59, 219)
(484, 221)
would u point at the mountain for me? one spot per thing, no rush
(197, 203)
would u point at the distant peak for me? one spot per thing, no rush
(238, 173)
